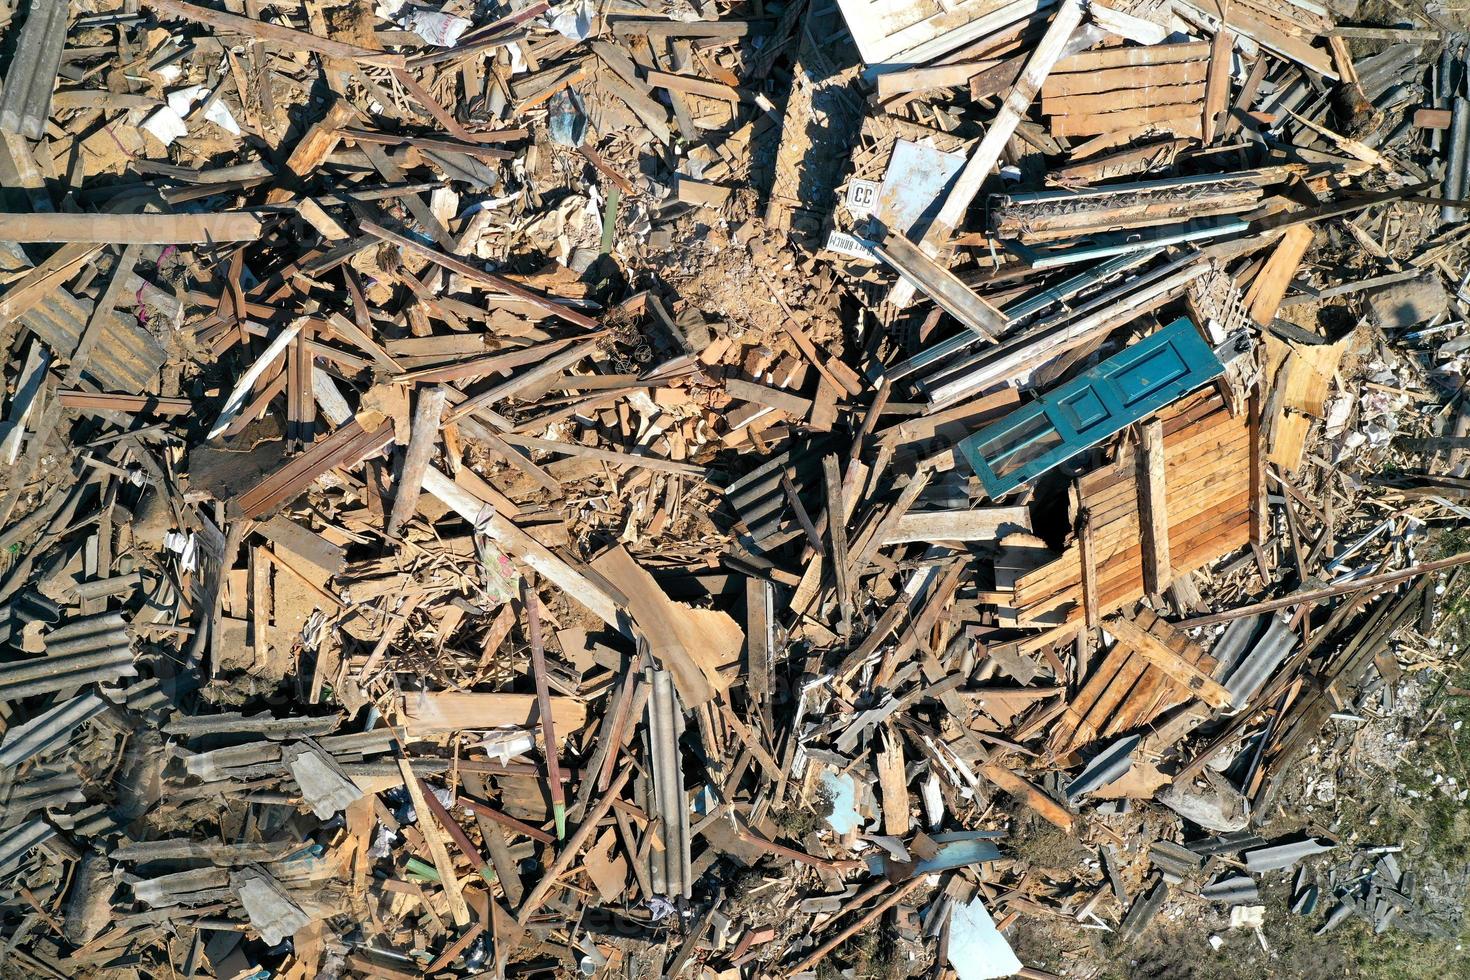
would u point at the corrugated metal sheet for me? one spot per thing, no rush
(200, 885)
(1237, 890)
(1106, 766)
(26, 103)
(262, 723)
(1174, 860)
(1283, 855)
(84, 651)
(39, 790)
(126, 359)
(1230, 649)
(1144, 910)
(1226, 843)
(49, 730)
(17, 842)
(89, 823)
(1256, 666)
(761, 502)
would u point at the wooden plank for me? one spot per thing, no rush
(292, 39)
(133, 229)
(793, 405)
(1217, 84)
(688, 643)
(1269, 287)
(433, 837)
(436, 712)
(1160, 117)
(1049, 809)
(1123, 81)
(691, 85)
(621, 80)
(455, 264)
(896, 83)
(1156, 652)
(1152, 508)
(1087, 556)
(606, 455)
(1260, 523)
(979, 524)
(1149, 95)
(522, 547)
(893, 783)
(1133, 57)
(837, 532)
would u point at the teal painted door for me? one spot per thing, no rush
(1131, 385)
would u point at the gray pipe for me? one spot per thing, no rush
(1454, 174)
(85, 626)
(53, 668)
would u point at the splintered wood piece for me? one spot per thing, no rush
(543, 708)
(1153, 514)
(309, 152)
(837, 532)
(1268, 289)
(893, 784)
(1156, 652)
(423, 437)
(443, 863)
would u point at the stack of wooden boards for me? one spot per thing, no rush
(1207, 495)
(1133, 91)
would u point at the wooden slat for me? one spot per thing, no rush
(1143, 95)
(1152, 54)
(1152, 508)
(1044, 805)
(1217, 83)
(1091, 124)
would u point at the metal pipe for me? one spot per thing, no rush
(118, 639)
(101, 588)
(1454, 174)
(86, 625)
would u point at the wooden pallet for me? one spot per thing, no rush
(1132, 686)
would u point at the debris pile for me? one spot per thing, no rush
(714, 490)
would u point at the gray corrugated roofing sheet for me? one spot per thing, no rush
(1274, 645)
(1108, 765)
(42, 675)
(1236, 890)
(18, 841)
(26, 102)
(127, 359)
(49, 730)
(1174, 860)
(1283, 855)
